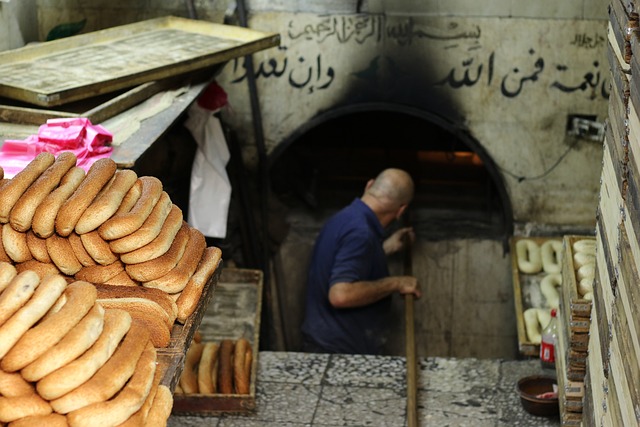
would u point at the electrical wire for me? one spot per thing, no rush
(547, 172)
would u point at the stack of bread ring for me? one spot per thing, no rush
(113, 232)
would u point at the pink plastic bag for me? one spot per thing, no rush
(87, 141)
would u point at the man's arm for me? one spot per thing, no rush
(358, 294)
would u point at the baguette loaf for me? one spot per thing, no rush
(176, 280)
(111, 377)
(149, 229)
(62, 381)
(24, 209)
(161, 244)
(99, 174)
(107, 203)
(43, 223)
(187, 300)
(158, 267)
(13, 189)
(122, 224)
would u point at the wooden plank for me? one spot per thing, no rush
(618, 38)
(83, 66)
(235, 313)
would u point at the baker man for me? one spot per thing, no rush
(349, 287)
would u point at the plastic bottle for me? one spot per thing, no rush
(548, 344)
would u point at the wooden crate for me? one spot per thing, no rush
(526, 293)
(234, 313)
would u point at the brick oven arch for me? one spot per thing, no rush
(430, 122)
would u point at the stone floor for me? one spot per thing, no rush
(298, 389)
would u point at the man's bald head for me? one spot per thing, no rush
(391, 190)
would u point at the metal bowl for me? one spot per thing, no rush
(532, 386)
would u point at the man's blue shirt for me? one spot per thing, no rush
(348, 249)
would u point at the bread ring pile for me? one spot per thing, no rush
(217, 367)
(107, 227)
(584, 264)
(66, 360)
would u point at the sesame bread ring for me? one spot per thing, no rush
(7, 273)
(225, 367)
(17, 293)
(130, 199)
(585, 286)
(38, 247)
(548, 286)
(81, 296)
(99, 175)
(62, 381)
(161, 407)
(15, 244)
(583, 258)
(43, 223)
(3, 254)
(528, 256)
(149, 229)
(189, 377)
(585, 245)
(126, 223)
(126, 402)
(161, 244)
(188, 299)
(532, 325)
(79, 251)
(165, 301)
(176, 280)
(208, 360)
(111, 377)
(586, 271)
(15, 408)
(158, 267)
(46, 295)
(123, 279)
(13, 189)
(51, 420)
(100, 273)
(13, 385)
(240, 376)
(107, 203)
(79, 339)
(140, 417)
(24, 209)
(98, 248)
(157, 322)
(42, 269)
(551, 256)
(62, 255)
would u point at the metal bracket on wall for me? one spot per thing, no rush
(586, 128)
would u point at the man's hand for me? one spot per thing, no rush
(396, 241)
(408, 285)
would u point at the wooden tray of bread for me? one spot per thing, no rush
(86, 65)
(536, 279)
(231, 322)
(102, 286)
